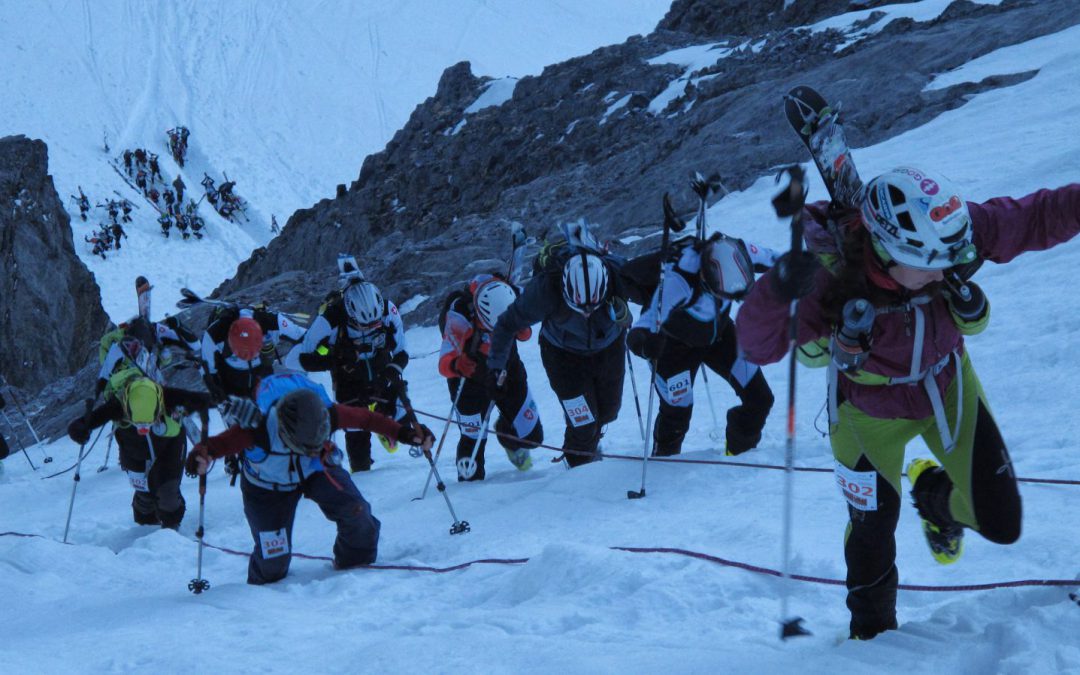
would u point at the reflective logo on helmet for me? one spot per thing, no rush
(929, 186)
(940, 213)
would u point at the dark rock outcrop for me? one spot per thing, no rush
(50, 305)
(600, 137)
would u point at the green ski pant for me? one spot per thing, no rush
(980, 493)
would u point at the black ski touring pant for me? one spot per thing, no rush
(361, 393)
(155, 466)
(676, 372)
(589, 387)
(517, 415)
(270, 515)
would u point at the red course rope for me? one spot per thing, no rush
(716, 462)
(670, 551)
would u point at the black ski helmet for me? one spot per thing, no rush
(303, 421)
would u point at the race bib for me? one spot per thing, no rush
(858, 487)
(138, 481)
(274, 543)
(578, 412)
(470, 425)
(677, 390)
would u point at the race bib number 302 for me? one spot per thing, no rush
(858, 487)
(274, 543)
(138, 481)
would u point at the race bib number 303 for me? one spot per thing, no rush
(858, 487)
(274, 543)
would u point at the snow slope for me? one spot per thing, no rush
(577, 605)
(287, 98)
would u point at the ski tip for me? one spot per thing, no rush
(141, 281)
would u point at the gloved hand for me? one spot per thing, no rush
(793, 274)
(652, 346)
(465, 366)
(966, 300)
(390, 377)
(198, 461)
(79, 431)
(410, 435)
(495, 385)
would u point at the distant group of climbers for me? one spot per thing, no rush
(178, 141)
(227, 203)
(109, 233)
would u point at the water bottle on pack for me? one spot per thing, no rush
(850, 346)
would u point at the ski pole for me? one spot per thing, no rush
(790, 203)
(442, 439)
(18, 441)
(715, 434)
(672, 222)
(108, 448)
(459, 526)
(637, 402)
(466, 466)
(78, 466)
(37, 441)
(198, 584)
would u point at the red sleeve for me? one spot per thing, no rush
(232, 441)
(1005, 227)
(456, 334)
(762, 323)
(350, 417)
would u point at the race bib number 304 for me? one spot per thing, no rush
(577, 410)
(274, 543)
(858, 487)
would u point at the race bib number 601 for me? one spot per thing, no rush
(858, 487)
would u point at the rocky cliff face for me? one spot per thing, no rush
(602, 136)
(50, 305)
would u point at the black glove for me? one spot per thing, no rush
(409, 435)
(495, 385)
(652, 346)
(79, 431)
(793, 274)
(216, 391)
(390, 377)
(966, 300)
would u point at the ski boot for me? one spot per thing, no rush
(521, 458)
(930, 488)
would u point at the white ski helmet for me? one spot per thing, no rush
(491, 299)
(918, 219)
(364, 303)
(726, 268)
(585, 282)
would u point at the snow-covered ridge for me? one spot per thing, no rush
(286, 98)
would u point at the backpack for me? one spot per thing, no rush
(568, 239)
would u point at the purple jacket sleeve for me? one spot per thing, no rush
(762, 323)
(1005, 227)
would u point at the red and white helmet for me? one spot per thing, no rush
(491, 299)
(918, 219)
(246, 338)
(585, 282)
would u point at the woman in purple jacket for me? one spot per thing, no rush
(888, 313)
